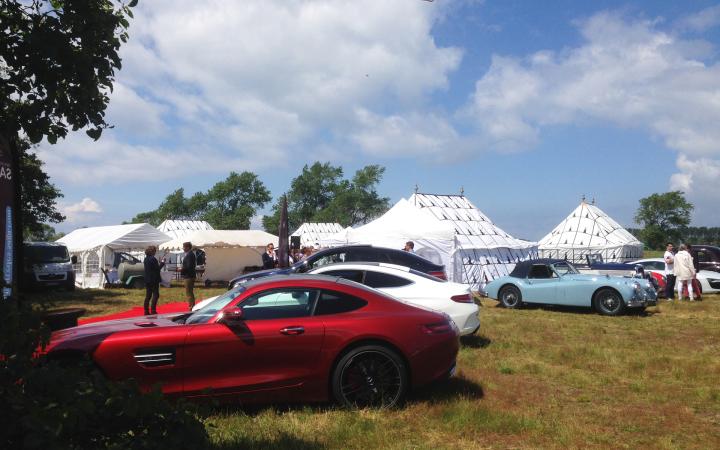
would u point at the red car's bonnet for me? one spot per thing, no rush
(86, 338)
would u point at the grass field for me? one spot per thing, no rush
(533, 378)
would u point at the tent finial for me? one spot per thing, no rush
(593, 200)
(462, 191)
(582, 199)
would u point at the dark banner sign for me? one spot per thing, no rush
(7, 196)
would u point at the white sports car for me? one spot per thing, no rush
(414, 287)
(408, 285)
(709, 280)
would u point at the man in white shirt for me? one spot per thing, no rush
(669, 258)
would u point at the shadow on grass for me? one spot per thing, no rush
(284, 441)
(475, 341)
(437, 392)
(583, 310)
(443, 391)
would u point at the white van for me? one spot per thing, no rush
(48, 264)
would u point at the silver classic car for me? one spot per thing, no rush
(557, 282)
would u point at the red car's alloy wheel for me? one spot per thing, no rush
(370, 377)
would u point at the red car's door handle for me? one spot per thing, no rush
(293, 330)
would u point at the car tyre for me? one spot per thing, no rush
(510, 297)
(608, 302)
(138, 283)
(370, 376)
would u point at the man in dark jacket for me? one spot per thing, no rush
(269, 258)
(152, 280)
(189, 273)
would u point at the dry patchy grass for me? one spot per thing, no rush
(533, 378)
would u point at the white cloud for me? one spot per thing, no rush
(698, 179)
(80, 211)
(412, 134)
(216, 84)
(701, 21)
(626, 74)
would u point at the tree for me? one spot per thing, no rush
(38, 195)
(229, 205)
(57, 65)
(664, 218)
(320, 194)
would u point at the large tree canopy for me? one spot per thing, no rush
(664, 217)
(229, 205)
(57, 65)
(321, 194)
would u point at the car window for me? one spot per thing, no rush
(657, 265)
(332, 302)
(564, 268)
(208, 311)
(279, 303)
(703, 256)
(348, 274)
(539, 271)
(367, 255)
(383, 280)
(329, 258)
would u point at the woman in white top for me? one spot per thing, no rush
(684, 271)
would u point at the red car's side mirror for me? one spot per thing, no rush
(232, 317)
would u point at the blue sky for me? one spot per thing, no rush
(525, 105)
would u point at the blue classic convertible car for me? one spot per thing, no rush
(557, 282)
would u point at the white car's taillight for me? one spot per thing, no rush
(465, 298)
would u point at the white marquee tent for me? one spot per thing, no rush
(311, 233)
(95, 248)
(587, 231)
(447, 229)
(179, 228)
(227, 252)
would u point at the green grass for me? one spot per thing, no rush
(534, 378)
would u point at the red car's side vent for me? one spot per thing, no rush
(155, 357)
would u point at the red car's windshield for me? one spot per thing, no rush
(204, 314)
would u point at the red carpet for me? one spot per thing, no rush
(137, 312)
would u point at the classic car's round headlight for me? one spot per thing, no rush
(637, 287)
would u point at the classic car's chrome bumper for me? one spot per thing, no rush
(646, 297)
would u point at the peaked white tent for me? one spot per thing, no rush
(95, 248)
(447, 229)
(311, 232)
(179, 228)
(586, 231)
(227, 252)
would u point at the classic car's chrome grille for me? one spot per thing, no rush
(155, 357)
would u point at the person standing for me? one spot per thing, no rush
(152, 280)
(684, 272)
(269, 258)
(189, 273)
(669, 258)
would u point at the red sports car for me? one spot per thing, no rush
(278, 339)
